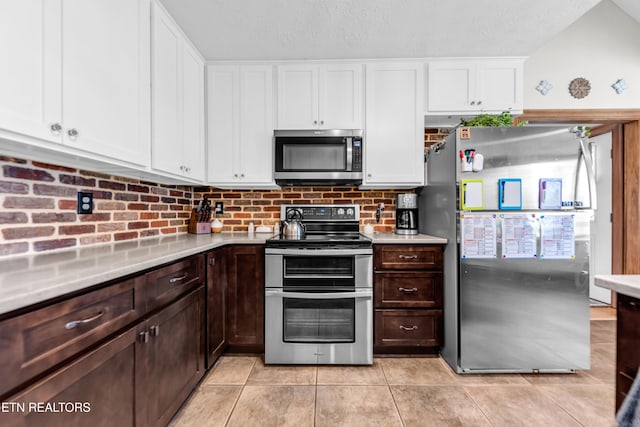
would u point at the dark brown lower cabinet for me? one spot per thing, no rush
(407, 329)
(141, 377)
(175, 355)
(245, 280)
(408, 299)
(628, 345)
(216, 305)
(104, 383)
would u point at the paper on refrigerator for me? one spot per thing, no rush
(519, 235)
(478, 235)
(557, 236)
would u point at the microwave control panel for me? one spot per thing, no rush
(356, 165)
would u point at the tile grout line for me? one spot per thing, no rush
(464, 389)
(240, 394)
(315, 400)
(548, 395)
(386, 380)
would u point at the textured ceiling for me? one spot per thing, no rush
(322, 29)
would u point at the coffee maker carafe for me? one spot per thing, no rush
(407, 213)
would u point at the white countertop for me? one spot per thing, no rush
(416, 239)
(32, 279)
(627, 284)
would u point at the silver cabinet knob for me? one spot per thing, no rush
(182, 168)
(56, 128)
(473, 102)
(479, 102)
(73, 133)
(321, 122)
(235, 175)
(315, 122)
(188, 169)
(368, 175)
(242, 175)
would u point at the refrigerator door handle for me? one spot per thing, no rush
(585, 154)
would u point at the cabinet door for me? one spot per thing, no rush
(216, 305)
(175, 356)
(30, 75)
(451, 86)
(223, 123)
(499, 86)
(192, 113)
(297, 96)
(36, 341)
(245, 267)
(106, 77)
(394, 144)
(340, 96)
(104, 383)
(166, 150)
(256, 124)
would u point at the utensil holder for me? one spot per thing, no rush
(195, 227)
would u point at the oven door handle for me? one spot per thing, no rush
(324, 295)
(318, 252)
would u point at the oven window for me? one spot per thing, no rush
(319, 266)
(298, 154)
(319, 320)
(305, 272)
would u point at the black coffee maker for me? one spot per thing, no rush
(407, 213)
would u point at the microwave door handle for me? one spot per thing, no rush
(317, 295)
(349, 154)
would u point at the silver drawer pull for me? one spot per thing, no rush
(154, 330)
(413, 328)
(75, 323)
(633, 304)
(408, 290)
(179, 279)
(408, 256)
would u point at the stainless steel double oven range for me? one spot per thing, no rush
(319, 290)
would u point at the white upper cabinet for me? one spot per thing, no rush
(327, 96)
(105, 77)
(30, 75)
(477, 86)
(240, 126)
(77, 72)
(177, 101)
(394, 138)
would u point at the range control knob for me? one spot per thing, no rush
(340, 211)
(349, 212)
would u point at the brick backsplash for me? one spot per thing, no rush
(262, 207)
(38, 203)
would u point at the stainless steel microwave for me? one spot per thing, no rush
(318, 157)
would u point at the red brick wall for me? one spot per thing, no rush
(38, 203)
(262, 207)
(433, 135)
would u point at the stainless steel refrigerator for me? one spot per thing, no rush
(516, 205)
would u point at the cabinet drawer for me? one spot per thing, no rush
(36, 341)
(407, 257)
(411, 289)
(413, 328)
(167, 283)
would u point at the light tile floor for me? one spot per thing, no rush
(242, 391)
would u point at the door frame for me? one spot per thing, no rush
(625, 127)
